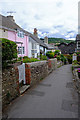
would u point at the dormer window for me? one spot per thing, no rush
(20, 34)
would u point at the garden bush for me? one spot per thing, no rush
(63, 58)
(9, 51)
(57, 52)
(25, 57)
(43, 57)
(69, 58)
(26, 60)
(75, 62)
(58, 57)
(50, 54)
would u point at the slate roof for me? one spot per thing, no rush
(7, 23)
(78, 37)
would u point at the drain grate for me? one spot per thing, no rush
(46, 85)
(70, 85)
(37, 93)
(70, 106)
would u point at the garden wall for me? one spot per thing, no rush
(76, 78)
(36, 71)
(52, 64)
(10, 85)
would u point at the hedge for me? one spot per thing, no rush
(9, 51)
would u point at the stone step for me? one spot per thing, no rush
(24, 88)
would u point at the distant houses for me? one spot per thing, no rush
(27, 44)
(67, 48)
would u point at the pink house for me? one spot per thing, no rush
(10, 30)
(22, 42)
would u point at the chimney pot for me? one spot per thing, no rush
(35, 32)
(11, 18)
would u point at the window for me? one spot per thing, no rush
(20, 34)
(21, 50)
(34, 46)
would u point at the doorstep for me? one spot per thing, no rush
(24, 88)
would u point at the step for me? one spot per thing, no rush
(24, 88)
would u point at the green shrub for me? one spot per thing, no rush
(63, 58)
(25, 57)
(26, 60)
(9, 51)
(58, 57)
(75, 62)
(50, 54)
(43, 57)
(57, 52)
(19, 59)
(69, 58)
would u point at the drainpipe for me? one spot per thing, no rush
(21, 53)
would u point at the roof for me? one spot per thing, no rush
(7, 23)
(67, 44)
(62, 44)
(78, 37)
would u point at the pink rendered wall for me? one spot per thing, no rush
(14, 37)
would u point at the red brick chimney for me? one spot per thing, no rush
(46, 40)
(35, 32)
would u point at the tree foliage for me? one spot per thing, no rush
(58, 40)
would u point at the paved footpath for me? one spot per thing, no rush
(53, 97)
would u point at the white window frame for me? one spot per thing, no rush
(20, 34)
(21, 50)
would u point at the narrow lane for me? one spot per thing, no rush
(53, 97)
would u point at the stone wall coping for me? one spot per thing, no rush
(40, 62)
(37, 63)
(53, 59)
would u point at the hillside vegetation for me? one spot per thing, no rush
(58, 40)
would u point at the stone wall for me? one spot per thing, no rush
(76, 78)
(10, 84)
(36, 71)
(52, 64)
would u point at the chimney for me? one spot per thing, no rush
(35, 32)
(11, 18)
(46, 40)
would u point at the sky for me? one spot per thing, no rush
(52, 18)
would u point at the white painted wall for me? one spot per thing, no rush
(29, 49)
(32, 41)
